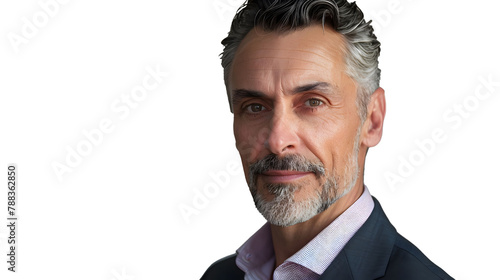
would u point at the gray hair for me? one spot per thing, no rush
(362, 46)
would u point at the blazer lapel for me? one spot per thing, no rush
(367, 254)
(339, 269)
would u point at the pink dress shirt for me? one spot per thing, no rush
(256, 256)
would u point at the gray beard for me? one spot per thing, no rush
(284, 211)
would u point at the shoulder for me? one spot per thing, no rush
(394, 255)
(409, 262)
(224, 268)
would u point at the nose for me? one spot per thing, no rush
(282, 136)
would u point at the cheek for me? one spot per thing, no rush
(247, 145)
(331, 144)
(250, 141)
(341, 153)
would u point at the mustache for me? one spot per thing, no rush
(292, 162)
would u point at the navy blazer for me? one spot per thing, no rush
(376, 251)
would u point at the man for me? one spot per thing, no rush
(302, 80)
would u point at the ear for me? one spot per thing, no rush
(374, 123)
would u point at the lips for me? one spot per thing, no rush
(283, 176)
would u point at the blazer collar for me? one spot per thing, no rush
(367, 254)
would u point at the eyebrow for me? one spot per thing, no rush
(324, 87)
(320, 86)
(240, 94)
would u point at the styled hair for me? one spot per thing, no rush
(362, 47)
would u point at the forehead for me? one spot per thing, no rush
(310, 54)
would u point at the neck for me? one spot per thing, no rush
(288, 240)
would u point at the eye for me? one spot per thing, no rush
(255, 108)
(314, 102)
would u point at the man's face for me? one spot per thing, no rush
(295, 121)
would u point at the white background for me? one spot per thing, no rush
(117, 215)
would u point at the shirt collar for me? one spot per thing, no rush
(256, 256)
(319, 253)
